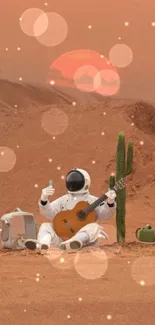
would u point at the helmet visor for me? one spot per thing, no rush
(75, 181)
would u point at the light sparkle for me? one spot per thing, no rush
(62, 260)
(52, 82)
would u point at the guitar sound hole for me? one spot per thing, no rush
(81, 215)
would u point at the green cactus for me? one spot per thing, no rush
(129, 159)
(123, 168)
(111, 181)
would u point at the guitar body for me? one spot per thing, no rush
(67, 223)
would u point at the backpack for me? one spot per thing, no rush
(16, 227)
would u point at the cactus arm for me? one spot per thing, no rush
(129, 164)
(111, 181)
(120, 157)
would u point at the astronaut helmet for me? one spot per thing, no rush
(78, 181)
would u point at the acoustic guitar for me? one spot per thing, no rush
(67, 223)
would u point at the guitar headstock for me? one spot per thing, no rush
(120, 184)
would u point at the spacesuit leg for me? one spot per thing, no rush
(76, 242)
(46, 238)
(93, 230)
(87, 235)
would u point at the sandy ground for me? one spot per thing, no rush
(105, 285)
(78, 288)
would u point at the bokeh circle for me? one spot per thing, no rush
(54, 121)
(121, 55)
(56, 32)
(59, 259)
(28, 19)
(7, 159)
(92, 265)
(84, 78)
(107, 82)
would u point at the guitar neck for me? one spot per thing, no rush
(95, 204)
(119, 185)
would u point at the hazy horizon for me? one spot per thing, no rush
(97, 26)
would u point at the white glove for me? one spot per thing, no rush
(111, 194)
(46, 192)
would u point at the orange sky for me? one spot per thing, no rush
(107, 18)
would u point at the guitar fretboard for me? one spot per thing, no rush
(94, 205)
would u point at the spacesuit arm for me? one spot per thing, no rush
(50, 209)
(105, 211)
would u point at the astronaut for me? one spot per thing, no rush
(78, 184)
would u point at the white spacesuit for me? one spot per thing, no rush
(77, 184)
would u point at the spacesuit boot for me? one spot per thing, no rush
(32, 244)
(44, 238)
(76, 242)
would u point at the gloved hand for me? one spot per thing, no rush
(111, 194)
(46, 192)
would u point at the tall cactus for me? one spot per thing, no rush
(123, 168)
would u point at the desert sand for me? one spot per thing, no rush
(95, 286)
